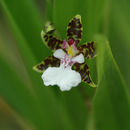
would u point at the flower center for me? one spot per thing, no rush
(70, 46)
(70, 51)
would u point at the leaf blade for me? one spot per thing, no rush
(111, 99)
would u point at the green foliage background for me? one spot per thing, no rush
(26, 104)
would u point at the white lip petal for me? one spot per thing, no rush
(64, 78)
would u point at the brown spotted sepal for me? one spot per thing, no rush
(84, 71)
(48, 37)
(88, 50)
(74, 29)
(50, 61)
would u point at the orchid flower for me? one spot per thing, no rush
(66, 68)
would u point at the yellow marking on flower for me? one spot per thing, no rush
(70, 51)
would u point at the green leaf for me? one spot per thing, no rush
(26, 17)
(111, 104)
(16, 93)
(119, 36)
(49, 10)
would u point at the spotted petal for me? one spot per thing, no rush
(83, 69)
(88, 50)
(50, 61)
(74, 30)
(48, 37)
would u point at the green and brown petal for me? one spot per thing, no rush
(49, 39)
(84, 71)
(88, 50)
(50, 61)
(74, 29)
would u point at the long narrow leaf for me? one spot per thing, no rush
(111, 103)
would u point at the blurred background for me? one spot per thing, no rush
(26, 104)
